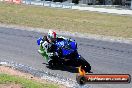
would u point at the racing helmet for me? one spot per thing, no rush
(51, 34)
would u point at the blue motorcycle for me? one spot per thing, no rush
(62, 52)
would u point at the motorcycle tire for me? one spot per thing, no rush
(87, 68)
(52, 63)
(85, 65)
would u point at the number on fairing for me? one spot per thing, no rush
(45, 45)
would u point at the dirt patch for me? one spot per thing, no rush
(12, 71)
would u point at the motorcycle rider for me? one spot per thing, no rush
(49, 42)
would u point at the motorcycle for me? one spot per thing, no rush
(64, 53)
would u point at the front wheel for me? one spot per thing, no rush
(51, 63)
(86, 67)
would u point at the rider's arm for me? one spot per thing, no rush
(64, 38)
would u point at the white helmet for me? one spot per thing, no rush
(51, 34)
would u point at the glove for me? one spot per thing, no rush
(41, 42)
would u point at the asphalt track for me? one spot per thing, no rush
(105, 57)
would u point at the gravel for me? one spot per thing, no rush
(56, 78)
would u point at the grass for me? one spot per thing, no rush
(8, 79)
(66, 20)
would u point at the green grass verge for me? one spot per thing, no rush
(7, 79)
(66, 20)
